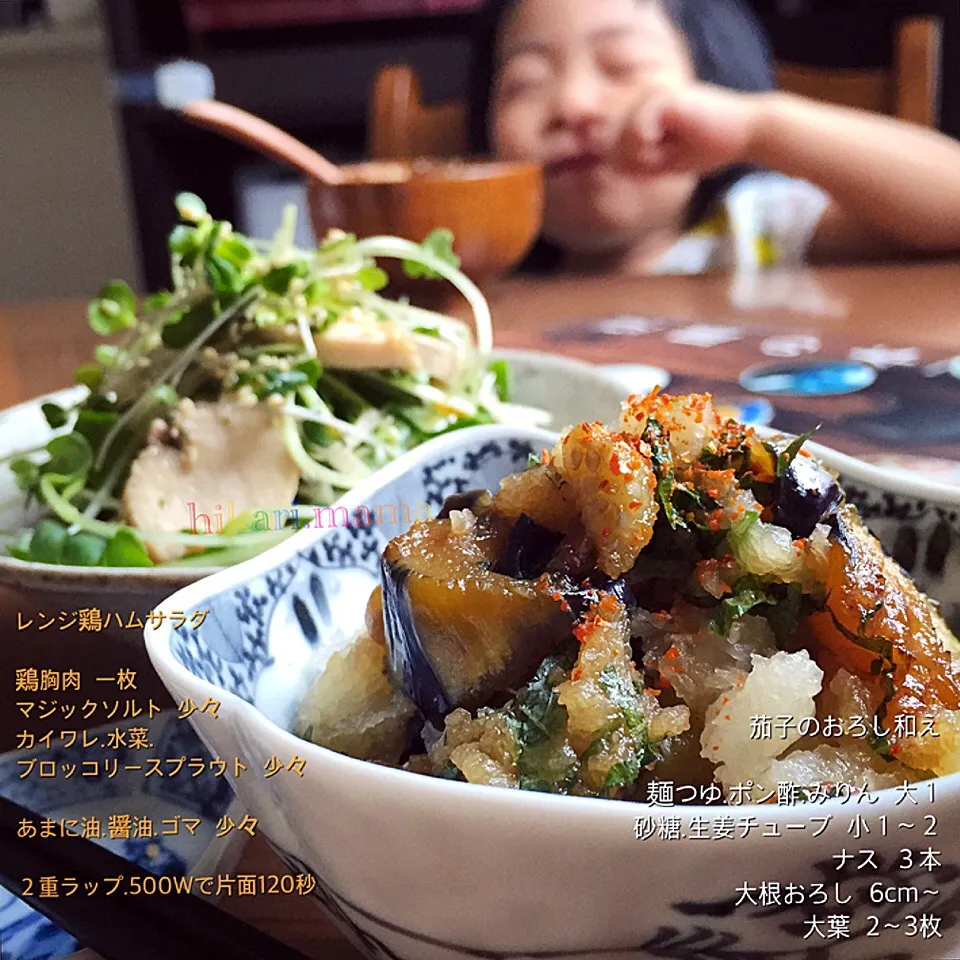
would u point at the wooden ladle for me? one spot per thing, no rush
(264, 137)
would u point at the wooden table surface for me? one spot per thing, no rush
(918, 305)
(911, 307)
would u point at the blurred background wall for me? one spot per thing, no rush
(89, 166)
(65, 216)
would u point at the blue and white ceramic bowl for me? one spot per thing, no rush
(423, 869)
(167, 802)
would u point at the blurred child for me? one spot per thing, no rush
(667, 150)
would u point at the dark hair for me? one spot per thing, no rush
(728, 46)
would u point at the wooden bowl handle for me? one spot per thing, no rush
(264, 137)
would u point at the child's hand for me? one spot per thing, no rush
(696, 128)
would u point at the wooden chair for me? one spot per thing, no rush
(401, 125)
(910, 90)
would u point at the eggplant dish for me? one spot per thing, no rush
(671, 598)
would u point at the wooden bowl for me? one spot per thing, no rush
(495, 210)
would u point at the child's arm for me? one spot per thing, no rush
(895, 187)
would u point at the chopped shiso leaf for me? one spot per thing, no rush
(787, 457)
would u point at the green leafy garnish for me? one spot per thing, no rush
(439, 244)
(278, 280)
(46, 544)
(345, 402)
(26, 472)
(70, 458)
(115, 309)
(623, 774)
(89, 375)
(372, 278)
(382, 387)
(501, 372)
(83, 550)
(190, 207)
(662, 459)
(741, 527)
(790, 454)
(748, 592)
(125, 549)
(546, 762)
(180, 330)
(623, 694)
(54, 414)
(786, 614)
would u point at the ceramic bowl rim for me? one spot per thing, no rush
(443, 170)
(158, 649)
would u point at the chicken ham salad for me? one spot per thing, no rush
(671, 598)
(266, 376)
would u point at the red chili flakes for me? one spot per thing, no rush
(672, 654)
(545, 455)
(614, 463)
(605, 532)
(576, 674)
(715, 747)
(726, 716)
(725, 701)
(609, 604)
(634, 504)
(564, 606)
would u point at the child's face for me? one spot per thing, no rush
(570, 74)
